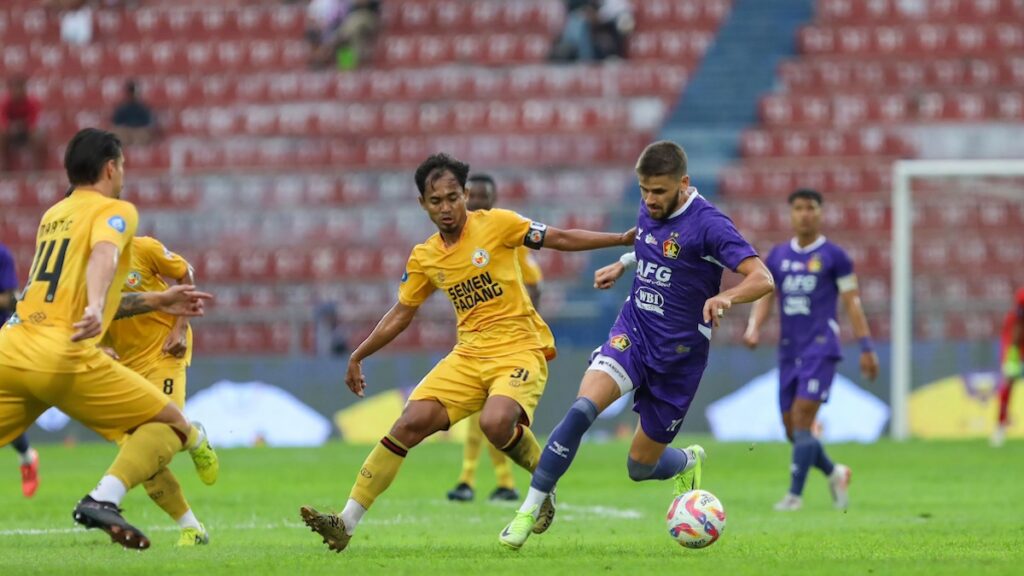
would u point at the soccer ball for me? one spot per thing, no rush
(696, 519)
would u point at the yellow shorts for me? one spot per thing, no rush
(462, 384)
(168, 375)
(109, 398)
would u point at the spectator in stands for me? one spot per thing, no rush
(133, 120)
(594, 30)
(350, 43)
(19, 125)
(329, 333)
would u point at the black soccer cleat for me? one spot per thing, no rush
(461, 493)
(503, 494)
(106, 516)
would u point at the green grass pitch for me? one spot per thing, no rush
(917, 508)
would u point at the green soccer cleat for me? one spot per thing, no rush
(329, 526)
(193, 537)
(518, 530)
(689, 478)
(205, 459)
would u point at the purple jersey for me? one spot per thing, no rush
(808, 282)
(679, 266)
(8, 278)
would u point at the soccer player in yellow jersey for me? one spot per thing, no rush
(499, 364)
(159, 347)
(481, 194)
(48, 349)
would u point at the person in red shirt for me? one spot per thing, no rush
(19, 125)
(1013, 342)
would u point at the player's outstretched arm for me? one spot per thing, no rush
(854, 308)
(393, 323)
(757, 282)
(99, 273)
(181, 300)
(606, 276)
(176, 343)
(759, 314)
(579, 240)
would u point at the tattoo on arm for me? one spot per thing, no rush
(132, 304)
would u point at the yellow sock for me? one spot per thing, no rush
(502, 471)
(165, 491)
(379, 469)
(144, 453)
(523, 448)
(471, 451)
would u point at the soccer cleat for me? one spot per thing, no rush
(30, 475)
(502, 494)
(839, 485)
(690, 477)
(106, 516)
(998, 436)
(193, 537)
(330, 526)
(789, 503)
(461, 493)
(205, 459)
(518, 530)
(546, 515)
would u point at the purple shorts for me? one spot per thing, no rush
(808, 378)
(661, 397)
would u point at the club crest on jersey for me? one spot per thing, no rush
(481, 258)
(814, 264)
(134, 279)
(620, 342)
(670, 248)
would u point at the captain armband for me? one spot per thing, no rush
(535, 236)
(847, 283)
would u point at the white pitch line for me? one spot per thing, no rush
(573, 512)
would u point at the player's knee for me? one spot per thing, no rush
(498, 426)
(638, 470)
(411, 429)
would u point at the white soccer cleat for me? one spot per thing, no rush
(839, 485)
(998, 437)
(789, 503)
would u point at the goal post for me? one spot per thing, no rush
(902, 300)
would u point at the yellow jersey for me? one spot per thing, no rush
(532, 274)
(38, 336)
(483, 279)
(139, 340)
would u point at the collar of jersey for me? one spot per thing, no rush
(693, 196)
(795, 246)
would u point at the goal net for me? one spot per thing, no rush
(957, 256)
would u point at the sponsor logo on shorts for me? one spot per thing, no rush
(674, 425)
(607, 365)
(670, 248)
(481, 258)
(134, 279)
(650, 300)
(620, 342)
(117, 223)
(37, 318)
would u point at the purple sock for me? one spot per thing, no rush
(563, 444)
(805, 449)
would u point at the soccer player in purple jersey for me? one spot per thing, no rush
(659, 344)
(811, 275)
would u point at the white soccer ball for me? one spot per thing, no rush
(696, 519)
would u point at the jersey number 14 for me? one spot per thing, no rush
(41, 271)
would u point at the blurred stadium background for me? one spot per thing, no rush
(279, 159)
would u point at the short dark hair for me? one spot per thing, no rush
(806, 194)
(485, 178)
(662, 158)
(87, 154)
(437, 164)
